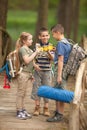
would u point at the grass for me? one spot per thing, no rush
(19, 21)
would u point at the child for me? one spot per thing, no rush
(24, 79)
(42, 71)
(61, 56)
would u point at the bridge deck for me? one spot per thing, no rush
(8, 120)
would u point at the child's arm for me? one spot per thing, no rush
(51, 55)
(36, 66)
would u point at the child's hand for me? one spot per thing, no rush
(37, 67)
(51, 55)
(38, 50)
(32, 79)
(54, 49)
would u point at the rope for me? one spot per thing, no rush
(5, 67)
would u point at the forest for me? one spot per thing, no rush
(27, 15)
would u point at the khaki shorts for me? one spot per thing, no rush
(41, 78)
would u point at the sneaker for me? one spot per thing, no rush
(56, 118)
(21, 115)
(27, 114)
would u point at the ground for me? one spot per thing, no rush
(8, 120)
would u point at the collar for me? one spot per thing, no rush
(44, 44)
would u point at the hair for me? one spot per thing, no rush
(43, 29)
(58, 28)
(18, 44)
(23, 37)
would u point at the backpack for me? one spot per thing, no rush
(13, 63)
(77, 54)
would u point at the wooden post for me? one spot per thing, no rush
(83, 117)
(78, 84)
(75, 107)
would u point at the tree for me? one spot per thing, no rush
(3, 13)
(42, 20)
(64, 15)
(75, 19)
(68, 16)
(4, 36)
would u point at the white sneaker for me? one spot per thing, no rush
(27, 114)
(21, 115)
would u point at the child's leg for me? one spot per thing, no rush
(34, 95)
(46, 107)
(37, 108)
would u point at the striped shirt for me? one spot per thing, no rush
(43, 60)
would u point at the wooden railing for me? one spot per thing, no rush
(78, 113)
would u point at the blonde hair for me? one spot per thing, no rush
(23, 37)
(18, 44)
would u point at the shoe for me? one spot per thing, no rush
(56, 118)
(21, 115)
(26, 113)
(46, 111)
(37, 111)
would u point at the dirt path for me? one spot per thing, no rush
(8, 120)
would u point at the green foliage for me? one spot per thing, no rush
(29, 4)
(19, 21)
(82, 19)
(53, 3)
(83, 7)
(23, 4)
(82, 27)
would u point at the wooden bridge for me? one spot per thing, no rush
(75, 114)
(8, 120)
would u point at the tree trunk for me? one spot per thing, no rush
(65, 15)
(5, 40)
(61, 12)
(5, 45)
(42, 20)
(3, 13)
(75, 19)
(69, 17)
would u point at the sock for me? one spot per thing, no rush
(59, 113)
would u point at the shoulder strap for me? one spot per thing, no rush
(67, 42)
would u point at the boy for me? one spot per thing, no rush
(60, 59)
(42, 71)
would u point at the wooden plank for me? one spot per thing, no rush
(74, 114)
(78, 84)
(83, 117)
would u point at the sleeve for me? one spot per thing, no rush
(60, 49)
(23, 52)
